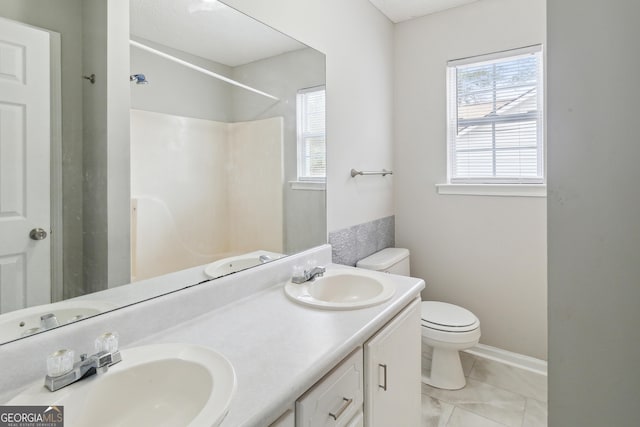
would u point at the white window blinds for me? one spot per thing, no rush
(311, 134)
(495, 132)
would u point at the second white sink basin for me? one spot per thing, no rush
(342, 289)
(237, 263)
(154, 385)
(21, 323)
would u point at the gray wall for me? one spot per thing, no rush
(485, 253)
(118, 151)
(106, 219)
(94, 113)
(593, 213)
(176, 89)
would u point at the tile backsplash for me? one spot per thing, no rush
(349, 245)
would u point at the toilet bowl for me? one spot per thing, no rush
(447, 328)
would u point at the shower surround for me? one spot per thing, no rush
(196, 187)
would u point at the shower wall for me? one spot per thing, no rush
(255, 176)
(178, 90)
(304, 210)
(195, 185)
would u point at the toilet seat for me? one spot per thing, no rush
(445, 317)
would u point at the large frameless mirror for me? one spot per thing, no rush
(146, 146)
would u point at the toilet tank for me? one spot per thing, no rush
(389, 260)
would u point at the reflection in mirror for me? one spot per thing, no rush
(188, 171)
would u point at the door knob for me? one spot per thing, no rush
(38, 234)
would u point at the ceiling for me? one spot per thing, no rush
(208, 29)
(402, 10)
(203, 27)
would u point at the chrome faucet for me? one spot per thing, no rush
(47, 321)
(309, 275)
(61, 376)
(265, 259)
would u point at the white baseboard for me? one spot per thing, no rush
(509, 358)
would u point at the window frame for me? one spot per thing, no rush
(452, 121)
(301, 134)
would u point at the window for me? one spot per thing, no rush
(311, 134)
(495, 129)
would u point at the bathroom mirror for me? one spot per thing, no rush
(171, 152)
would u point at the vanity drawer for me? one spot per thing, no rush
(334, 400)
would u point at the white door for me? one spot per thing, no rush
(24, 166)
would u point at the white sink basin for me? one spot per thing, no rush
(233, 264)
(20, 323)
(154, 385)
(342, 290)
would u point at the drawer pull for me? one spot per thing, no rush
(345, 404)
(384, 387)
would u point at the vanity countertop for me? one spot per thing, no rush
(279, 348)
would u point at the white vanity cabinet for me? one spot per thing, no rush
(336, 400)
(378, 385)
(392, 379)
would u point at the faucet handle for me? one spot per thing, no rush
(297, 274)
(60, 362)
(107, 342)
(48, 321)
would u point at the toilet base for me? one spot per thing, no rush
(446, 370)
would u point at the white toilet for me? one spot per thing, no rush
(445, 327)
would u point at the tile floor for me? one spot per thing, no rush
(496, 395)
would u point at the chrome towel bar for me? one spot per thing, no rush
(383, 172)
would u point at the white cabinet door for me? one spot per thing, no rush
(392, 372)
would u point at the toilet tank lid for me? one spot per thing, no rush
(383, 259)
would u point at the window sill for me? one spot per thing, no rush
(308, 185)
(504, 190)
